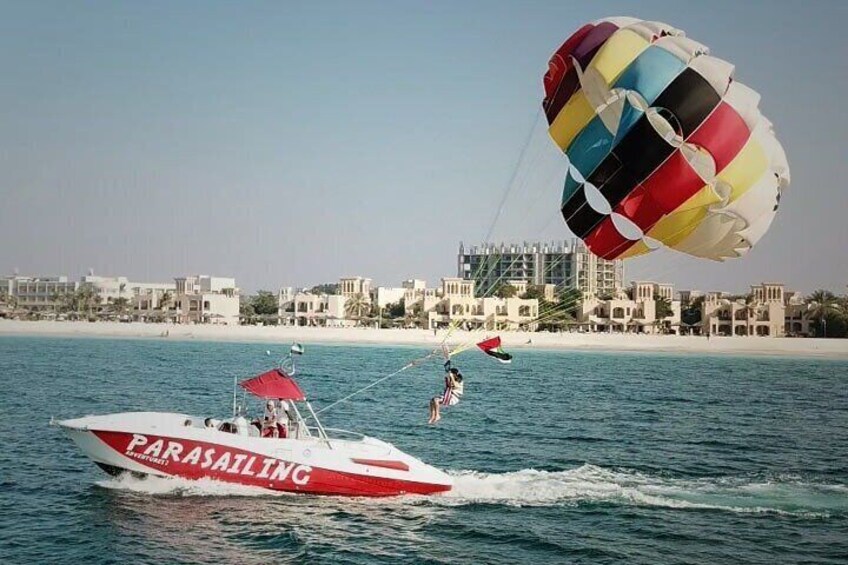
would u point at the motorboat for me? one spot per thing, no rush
(301, 456)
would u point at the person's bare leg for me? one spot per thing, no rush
(432, 411)
(438, 408)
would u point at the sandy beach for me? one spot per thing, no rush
(792, 347)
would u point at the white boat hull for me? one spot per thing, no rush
(153, 443)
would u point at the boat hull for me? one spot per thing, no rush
(336, 467)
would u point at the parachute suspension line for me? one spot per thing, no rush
(494, 284)
(442, 348)
(511, 184)
(469, 344)
(676, 262)
(380, 380)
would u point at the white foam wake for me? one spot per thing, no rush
(587, 484)
(174, 486)
(593, 484)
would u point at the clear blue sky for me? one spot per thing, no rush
(294, 143)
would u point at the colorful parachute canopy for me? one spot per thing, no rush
(492, 347)
(664, 147)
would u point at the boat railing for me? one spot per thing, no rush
(337, 433)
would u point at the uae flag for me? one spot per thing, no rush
(492, 347)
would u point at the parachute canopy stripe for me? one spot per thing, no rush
(723, 135)
(561, 65)
(560, 62)
(650, 73)
(620, 50)
(688, 100)
(583, 53)
(596, 141)
(676, 182)
(672, 184)
(748, 166)
(606, 241)
(571, 120)
(675, 227)
(654, 125)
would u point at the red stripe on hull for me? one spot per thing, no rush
(193, 460)
(397, 465)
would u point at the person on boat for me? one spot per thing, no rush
(450, 397)
(283, 418)
(269, 421)
(209, 423)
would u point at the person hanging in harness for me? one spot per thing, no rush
(451, 396)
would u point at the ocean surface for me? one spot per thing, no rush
(559, 457)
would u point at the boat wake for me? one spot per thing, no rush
(590, 484)
(173, 486)
(585, 485)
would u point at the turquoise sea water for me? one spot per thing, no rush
(558, 458)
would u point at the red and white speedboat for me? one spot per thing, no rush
(311, 459)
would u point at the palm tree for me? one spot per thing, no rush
(166, 300)
(87, 299)
(62, 301)
(9, 300)
(413, 316)
(356, 306)
(554, 317)
(823, 304)
(120, 306)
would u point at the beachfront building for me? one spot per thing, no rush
(325, 310)
(153, 305)
(798, 318)
(562, 264)
(139, 296)
(633, 311)
(300, 307)
(455, 304)
(37, 294)
(760, 313)
(384, 295)
(418, 300)
(286, 305)
(303, 308)
(353, 286)
(687, 297)
(202, 299)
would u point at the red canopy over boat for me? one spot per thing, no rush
(274, 384)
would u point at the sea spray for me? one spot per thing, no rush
(590, 484)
